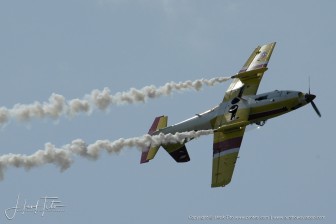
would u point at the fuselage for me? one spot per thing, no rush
(254, 109)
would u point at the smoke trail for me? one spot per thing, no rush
(63, 157)
(58, 106)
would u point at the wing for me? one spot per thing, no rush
(247, 80)
(226, 147)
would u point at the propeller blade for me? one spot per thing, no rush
(315, 108)
(309, 85)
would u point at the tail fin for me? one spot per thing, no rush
(150, 152)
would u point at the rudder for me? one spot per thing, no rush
(150, 152)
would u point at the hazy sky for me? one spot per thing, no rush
(71, 47)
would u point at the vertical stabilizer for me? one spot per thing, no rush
(150, 152)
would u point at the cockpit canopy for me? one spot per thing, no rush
(273, 94)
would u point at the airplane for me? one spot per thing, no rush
(240, 107)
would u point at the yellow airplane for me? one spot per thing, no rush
(239, 108)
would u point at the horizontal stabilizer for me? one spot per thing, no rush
(180, 155)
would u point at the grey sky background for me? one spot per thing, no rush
(72, 47)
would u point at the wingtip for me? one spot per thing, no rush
(145, 161)
(271, 43)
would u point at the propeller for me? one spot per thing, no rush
(310, 98)
(315, 108)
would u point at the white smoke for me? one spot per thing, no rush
(58, 106)
(63, 157)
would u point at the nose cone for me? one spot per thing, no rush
(309, 97)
